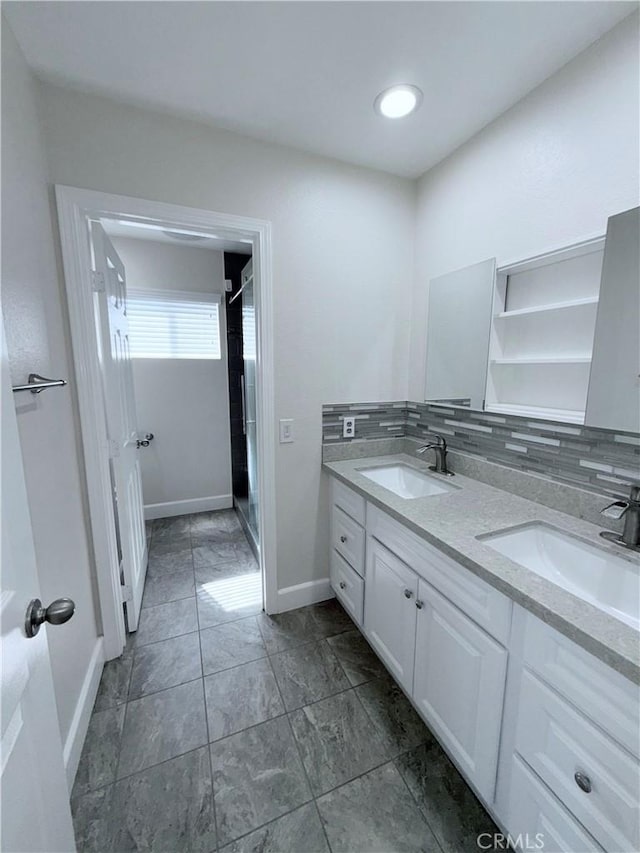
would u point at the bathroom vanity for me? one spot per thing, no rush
(530, 686)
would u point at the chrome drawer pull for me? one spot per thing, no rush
(582, 781)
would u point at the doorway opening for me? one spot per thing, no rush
(170, 313)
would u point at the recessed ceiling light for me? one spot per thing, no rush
(398, 101)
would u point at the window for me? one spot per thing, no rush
(173, 324)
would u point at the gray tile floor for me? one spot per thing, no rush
(221, 728)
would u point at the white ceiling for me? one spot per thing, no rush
(305, 74)
(156, 235)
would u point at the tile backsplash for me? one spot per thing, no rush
(595, 459)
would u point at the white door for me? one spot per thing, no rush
(122, 425)
(34, 801)
(390, 611)
(458, 686)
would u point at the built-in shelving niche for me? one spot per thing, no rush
(544, 314)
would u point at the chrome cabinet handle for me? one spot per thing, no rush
(419, 604)
(343, 539)
(582, 781)
(57, 613)
(408, 593)
(343, 585)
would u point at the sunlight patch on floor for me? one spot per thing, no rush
(237, 592)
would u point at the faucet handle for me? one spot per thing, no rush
(615, 510)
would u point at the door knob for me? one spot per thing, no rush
(58, 612)
(144, 442)
(408, 593)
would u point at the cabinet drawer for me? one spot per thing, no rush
(488, 607)
(348, 587)
(347, 537)
(349, 501)
(558, 742)
(605, 696)
(534, 813)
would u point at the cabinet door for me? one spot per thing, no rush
(459, 686)
(390, 611)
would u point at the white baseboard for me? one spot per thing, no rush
(164, 510)
(82, 714)
(303, 594)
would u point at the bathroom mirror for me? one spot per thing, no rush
(555, 337)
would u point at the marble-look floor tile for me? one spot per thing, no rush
(299, 831)
(212, 537)
(166, 808)
(175, 525)
(169, 543)
(285, 630)
(376, 814)
(227, 592)
(451, 808)
(114, 684)
(329, 618)
(99, 759)
(308, 673)
(165, 664)
(257, 777)
(209, 522)
(162, 726)
(241, 697)
(169, 587)
(393, 715)
(166, 620)
(93, 821)
(213, 553)
(337, 740)
(358, 660)
(231, 644)
(172, 562)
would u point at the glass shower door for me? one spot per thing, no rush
(249, 391)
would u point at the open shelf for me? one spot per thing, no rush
(567, 415)
(552, 306)
(544, 359)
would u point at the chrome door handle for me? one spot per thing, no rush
(57, 613)
(146, 441)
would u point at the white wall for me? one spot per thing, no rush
(545, 174)
(343, 249)
(37, 340)
(183, 402)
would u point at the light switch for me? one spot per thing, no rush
(286, 430)
(348, 427)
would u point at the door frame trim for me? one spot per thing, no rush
(75, 207)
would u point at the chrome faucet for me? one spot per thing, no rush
(440, 448)
(630, 536)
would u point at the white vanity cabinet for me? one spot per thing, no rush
(546, 734)
(459, 685)
(390, 611)
(426, 616)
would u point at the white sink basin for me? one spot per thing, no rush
(405, 481)
(605, 580)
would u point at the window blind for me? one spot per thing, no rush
(173, 324)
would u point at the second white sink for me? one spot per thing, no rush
(605, 580)
(405, 481)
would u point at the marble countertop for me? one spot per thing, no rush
(452, 522)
